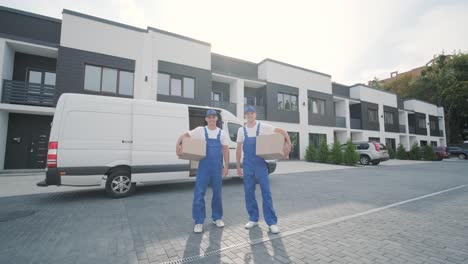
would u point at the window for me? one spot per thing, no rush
(422, 123)
(390, 142)
(423, 142)
(49, 78)
(107, 80)
(434, 143)
(315, 139)
(35, 77)
(374, 139)
(433, 125)
(41, 77)
(250, 100)
(216, 96)
(176, 85)
(388, 118)
(372, 115)
(287, 102)
(362, 146)
(317, 106)
(233, 128)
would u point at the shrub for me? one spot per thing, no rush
(401, 153)
(322, 152)
(350, 155)
(391, 152)
(428, 153)
(311, 153)
(415, 152)
(336, 154)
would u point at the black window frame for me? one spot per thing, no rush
(386, 115)
(181, 78)
(117, 88)
(376, 115)
(43, 72)
(309, 105)
(284, 107)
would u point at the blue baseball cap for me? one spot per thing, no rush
(249, 109)
(211, 112)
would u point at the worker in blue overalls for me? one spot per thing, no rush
(210, 169)
(255, 168)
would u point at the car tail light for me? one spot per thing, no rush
(52, 155)
(377, 146)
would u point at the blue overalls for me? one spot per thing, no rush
(256, 167)
(209, 172)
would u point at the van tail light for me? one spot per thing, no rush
(52, 155)
(377, 146)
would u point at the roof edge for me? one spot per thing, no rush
(25, 13)
(294, 66)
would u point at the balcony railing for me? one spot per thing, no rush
(231, 107)
(18, 92)
(402, 129)
(412, 130)
(355, 123)
(340, 121)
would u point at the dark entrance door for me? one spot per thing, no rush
(294, 136)
(27, 139)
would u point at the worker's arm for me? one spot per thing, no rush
(179, 143)
(226, 160)
(238, 158)
(286, 139)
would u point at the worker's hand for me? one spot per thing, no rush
(287, 150)
(239, 171)
(225, 171)
(179, 149)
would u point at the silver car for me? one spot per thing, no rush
(371, 152)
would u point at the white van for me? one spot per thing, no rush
(117, 142)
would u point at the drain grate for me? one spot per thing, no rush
(13, 215)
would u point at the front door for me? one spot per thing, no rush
(27, 139)
(294, 136)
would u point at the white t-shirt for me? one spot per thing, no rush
(199, 133)
(265, 129)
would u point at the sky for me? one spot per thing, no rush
(354, 40)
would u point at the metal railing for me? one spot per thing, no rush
(355, 123)
(402, 128)
(340, 121)
(19, 92)
(231, 107)
(412, 130)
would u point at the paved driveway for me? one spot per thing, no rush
(381, 214)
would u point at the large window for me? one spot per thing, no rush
(106, 80)
(41, 77)
(372, 115)
(176, 85)
(317, 106)
(287, 102)
(433, 125)
(388, 118)
(422, 123)
(315, 139)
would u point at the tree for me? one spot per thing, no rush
(336, 154)
(391, 151)
(311, 153)
(428, 153)
(350, 155)
(415, 152)
(401, 153)
(322, 152)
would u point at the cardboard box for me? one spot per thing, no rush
(193, 149)
(270, 147)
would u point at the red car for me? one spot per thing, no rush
(441, 152)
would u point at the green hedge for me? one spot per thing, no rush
(401, 153)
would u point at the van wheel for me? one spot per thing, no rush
(119, 184)
(461, 156)
(375, 162)
(364, 160)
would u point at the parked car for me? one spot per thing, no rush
(458, 152)
(441, 152)
(119, 142)
(371, 152)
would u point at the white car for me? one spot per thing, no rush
(117, 142)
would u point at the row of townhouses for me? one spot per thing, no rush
(43, 57)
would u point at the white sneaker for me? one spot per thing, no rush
(274, 229)
(251, 224)
(198, 228)
(219, 223)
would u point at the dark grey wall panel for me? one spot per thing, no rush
(435, 131)
(71, 68)
(222, 88)
(23, 62)
(366, 124)
(202, 78)
(340, 90)
(322, 120)
(396, 123)
(258, 93)
(26, 26)
(413, 121)
(272, 111)
(233, 66)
